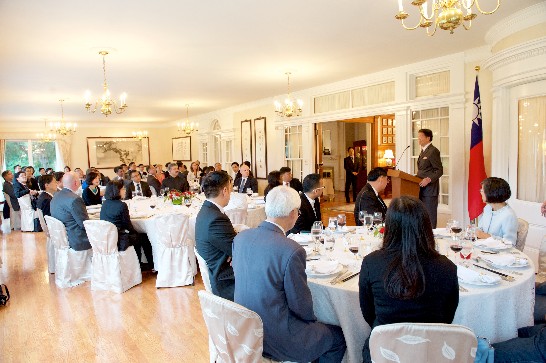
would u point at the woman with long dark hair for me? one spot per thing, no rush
(407, 280)
(273, 180)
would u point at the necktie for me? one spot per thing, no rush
(138, 191)
(242, 186)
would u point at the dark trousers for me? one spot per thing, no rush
(431, 204)
(5, 211)
(528, 347)
(336, 351)
(140, 240)
(350, 180)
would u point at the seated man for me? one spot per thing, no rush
(7, 175)
(368, 198)
(174, 180)
(246, 181)
(152, 179)
(529, 346)
(287, 179)
(310, 204)
(214, 233)
(270, 279)
(137, 187)
(69, 208)
(20, 187)
(48, 185)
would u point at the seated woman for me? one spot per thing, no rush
(273, 180)
(407, 280)
(115, 211)
(497, 219)
(91, 194)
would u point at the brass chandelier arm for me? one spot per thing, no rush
(485, 12)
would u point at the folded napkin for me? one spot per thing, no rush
(492, 243)
(361, 230)
(322, 267)
(259, 201)
(504, 260)
(140, 215)
(472, 277)
(300, 238)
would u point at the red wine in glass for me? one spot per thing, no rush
(456, 248)
(354, 250)
(456, 229)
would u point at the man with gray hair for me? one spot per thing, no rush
(270, 279)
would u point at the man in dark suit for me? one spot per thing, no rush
(246, 181)
(132, 166)
(69, 208)
(32, 183)
(8, 189)
(235, 168)
(174, 180)
(429, 167)
(368, 198)
(270, 279)
(310, 203)
(351, 165)
(214, 233)
(287, 179)
(137, 187)
(20, 187)
(152, 179)
(48, 185)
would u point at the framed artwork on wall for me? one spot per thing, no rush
(260, 148)
(109, 152)
(182, 148)
(384, 140)
(246, 141)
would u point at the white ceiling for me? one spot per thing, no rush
(211, 54)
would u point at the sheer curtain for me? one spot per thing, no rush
(62, 153)
(2, 154)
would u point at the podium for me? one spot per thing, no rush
(404, 183)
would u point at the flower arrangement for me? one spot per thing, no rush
(177, 197)
(379, 231)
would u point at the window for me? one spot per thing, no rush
(293, 150)
(204, 153)
(227, 155)
(37, 153)
(437, 120)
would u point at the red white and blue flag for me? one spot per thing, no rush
(476, 167)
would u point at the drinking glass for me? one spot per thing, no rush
(361, 216)
(332, 224)
(448, 225)
(470, 233)
(457, 248)
(249, 192)
(466, 251)
(341, 220)
(235, 189)
(329, 242)
(368, 220)
(187, 202)
(316, 231)
(354, 250)
(377, 218)
(456, 230)
(166, 191)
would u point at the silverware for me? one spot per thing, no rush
(350, 277)
(514, 272)
(490, 252)
(502, 275)
(340, 275)
(462, 289)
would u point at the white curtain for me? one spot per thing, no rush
(62, 153)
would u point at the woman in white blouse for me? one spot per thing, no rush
(194, 172)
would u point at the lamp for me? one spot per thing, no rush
(61, 127)
(291, 107)
(107, 104)
(141, 134)
(46, 136)
(444, 14)
(187, 126)
(388, 156)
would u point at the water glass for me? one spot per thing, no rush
(456, 230)
(377, 218)
(329, 242)
(341, 220)
(249, 192)
(316, 231)
(332, 224)
(361, 216)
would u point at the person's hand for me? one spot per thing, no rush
(355, 173)
(425, 182)
(481, 234)
(33, 192)
(543, 209)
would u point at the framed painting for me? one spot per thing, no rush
(246, 141)
(384, 140)
(260, 148)
(109, 152)
(182, 148)
(389, 140)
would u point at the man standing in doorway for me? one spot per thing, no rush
(430, 169)
(351, 165)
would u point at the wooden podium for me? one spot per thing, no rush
(404, 183)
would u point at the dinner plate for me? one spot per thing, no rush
(499, 248)
(514, 265)
(479, 283)
(310, 273)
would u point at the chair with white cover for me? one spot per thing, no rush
(27, 213)
(422, 342)
(50, 248)
(237, 215)
(71, 267)
(541, 275)
(14, 216)
(113, 270)
(523, 229)
(175, 255)
(204, 271)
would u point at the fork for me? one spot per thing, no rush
(340, 274)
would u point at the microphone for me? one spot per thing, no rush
(396, 165)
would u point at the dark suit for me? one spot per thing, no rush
(154, 182)
(214, 235)
(19, 189)
(145, 190)
(270, 279)
(43, 203)
(429, 164)
(350, 179)
(295, 184)
(179, 183)
(249, 183)
(67, 207)
(368, 201)
(8, 189)
(307, 216)
(32, 184)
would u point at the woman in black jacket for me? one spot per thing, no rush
(91, 194)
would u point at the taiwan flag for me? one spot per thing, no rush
(476, 168)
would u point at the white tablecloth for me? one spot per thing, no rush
(495, 312)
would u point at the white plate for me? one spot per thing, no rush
(505, 267)
(500, 248)
(314, 274)
(479, 283)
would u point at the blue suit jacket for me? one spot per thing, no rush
(67, 207)
(270, 279)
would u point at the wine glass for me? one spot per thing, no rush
(456, 229)
(456, 247)
(470, 233)
(368, 220)
(377, 218)
(332, 224)
(316, 231)
(249, 192)
(466, 251)
(166, 191)
(329, 242)
(341, 220)
(448, 225)
(354, 250)
(361, 216)
(187, 202)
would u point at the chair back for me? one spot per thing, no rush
(523, 229)
(24, 202)
(421, 342)
(237, 216)
(235, 331)
(204, 271)
(102, 235)
(172, 229)
(237, 201)
(57, 232)
(40, 214)
(541, 275)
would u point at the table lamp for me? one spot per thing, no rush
(388, 156)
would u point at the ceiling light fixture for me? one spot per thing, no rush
(107, 104)
(290, 107)
(140, 134)
(443, 14)
(46, 136)
(63, 128)
(187, 126)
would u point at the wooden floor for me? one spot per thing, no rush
(43, 323)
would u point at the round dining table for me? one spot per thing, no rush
(494, 312)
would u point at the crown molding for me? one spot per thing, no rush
(533, 48)
(523, 19)
(477, 55)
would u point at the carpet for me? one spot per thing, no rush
(343, 208)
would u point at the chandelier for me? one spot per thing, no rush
(63, 128)
(140, 134)
(107, 104)
(290, 107)
(186, 126)
(46, 136)
(443, 14)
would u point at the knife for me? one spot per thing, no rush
(507, 277)
(350, 277)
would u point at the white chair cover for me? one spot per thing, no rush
(50, 248)
(71, 267)
(237, 216)
(175, 251)
(154, 192)
(14, 216)
(27, 214)
(541, 275)
(421, 342)
(237, 201)
(112, 270)
(204, 271)
(523, 229)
